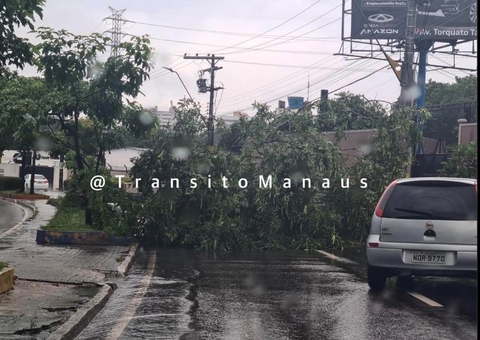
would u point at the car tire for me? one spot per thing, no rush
(377, 279)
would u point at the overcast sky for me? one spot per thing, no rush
(294, 59)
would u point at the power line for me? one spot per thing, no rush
(286, 65)
(284, 35)
(245, 50)
(271, 88)
(270, 30)
(271, 85)
(333, 75)
(220, 100)
(360, 79)
(210, 15)
(301, 88)
(219, 32)
(321, 79)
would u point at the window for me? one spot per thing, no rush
(433, 200)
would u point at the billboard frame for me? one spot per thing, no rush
(397, 45)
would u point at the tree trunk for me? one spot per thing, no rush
(88, 215)
(32, 178)
(23, 167)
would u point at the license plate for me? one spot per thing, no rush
(437, 257)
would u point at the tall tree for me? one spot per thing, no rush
(24, 104)
(6, 132)
(15, 13)
(70, 64)
(443, 123)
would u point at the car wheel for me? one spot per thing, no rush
(377, 279)
(405, 282)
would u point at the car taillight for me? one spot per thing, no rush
(373, 245)
(383, 200)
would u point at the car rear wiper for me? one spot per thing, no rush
(414, 211)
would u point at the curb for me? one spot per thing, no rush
(78, 321)
(19, 224)
(124, 267)
(32, 207)
(91, 238)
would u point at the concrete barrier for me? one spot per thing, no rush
(6, 279)
(27, 197)
(97, 238)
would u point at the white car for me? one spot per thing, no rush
(41, 183)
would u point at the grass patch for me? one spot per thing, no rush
(68, 219)
(120, 258)
(3, 265)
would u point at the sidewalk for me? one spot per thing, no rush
(52, 282)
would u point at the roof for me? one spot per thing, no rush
(445, 179)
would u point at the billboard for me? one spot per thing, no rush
(436, 19)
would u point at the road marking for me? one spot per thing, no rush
(327, 254)
(422, 298)
(136, 301)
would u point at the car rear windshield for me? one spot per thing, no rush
(39, 177)
(439, 200)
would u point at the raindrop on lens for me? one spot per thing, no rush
(180, 153)
(146, 119)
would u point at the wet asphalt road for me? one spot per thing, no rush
(179, 294)
(10, 215)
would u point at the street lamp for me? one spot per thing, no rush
(169, 69)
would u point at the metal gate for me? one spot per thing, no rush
(428, 165)
(46, 171)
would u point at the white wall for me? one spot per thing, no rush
(9, 170)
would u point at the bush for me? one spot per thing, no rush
(72, 199)
(54, 202)
(66, 184)
(3, 265)
(462, 163)
(11, 183)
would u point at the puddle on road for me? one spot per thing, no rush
(282, 295)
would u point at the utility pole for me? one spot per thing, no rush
(407, 79)
(116, 31)
(213, 60)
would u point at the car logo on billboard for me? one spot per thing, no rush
(473, 13)
(380, 18)
(429, 225)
